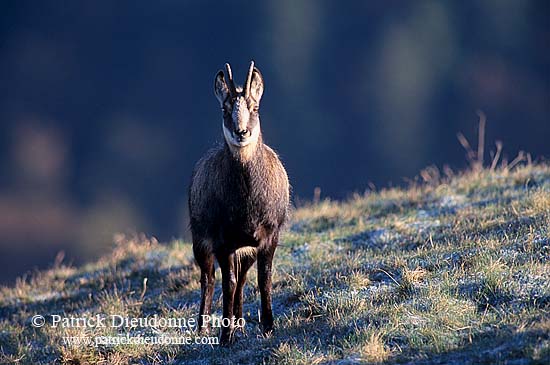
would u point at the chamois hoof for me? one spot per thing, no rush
(227, 339)
(267, 331)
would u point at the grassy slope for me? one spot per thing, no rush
(453, 271)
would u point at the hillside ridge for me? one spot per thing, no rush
(453, 270)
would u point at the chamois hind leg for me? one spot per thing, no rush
(265, 259)
(205, 260)
(244, 263)
(229, 284)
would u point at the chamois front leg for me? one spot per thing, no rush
(229, 284)
(265, 259)
(205, 260)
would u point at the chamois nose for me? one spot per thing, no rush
(241, 133)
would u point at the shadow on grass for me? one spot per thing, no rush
(85, 290)
(505, 345)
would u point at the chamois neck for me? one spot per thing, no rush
(246, 154)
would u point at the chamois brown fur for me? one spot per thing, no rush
(238, 202)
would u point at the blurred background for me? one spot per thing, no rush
(105, 106)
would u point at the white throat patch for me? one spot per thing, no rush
(243, 149)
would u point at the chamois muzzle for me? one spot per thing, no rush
(242, 134)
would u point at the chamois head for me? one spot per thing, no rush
(240, 107)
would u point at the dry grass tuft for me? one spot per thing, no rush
(374, 349)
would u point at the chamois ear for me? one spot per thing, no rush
(256, 85)
(221, 90)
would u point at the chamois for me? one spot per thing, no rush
(238, 202)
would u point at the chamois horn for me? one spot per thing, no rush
(230, 83)
(248, 80)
